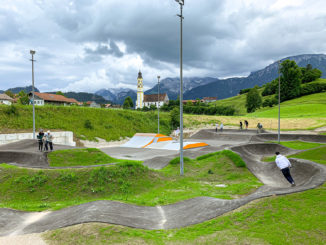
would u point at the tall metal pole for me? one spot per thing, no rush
(181, 93)
(158, 104)
(279, 103)
(32, 52)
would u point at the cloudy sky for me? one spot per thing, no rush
(86, 45)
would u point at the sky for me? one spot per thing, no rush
(87, 45)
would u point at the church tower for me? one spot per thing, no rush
(140, 91)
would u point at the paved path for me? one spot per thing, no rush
(306, 173)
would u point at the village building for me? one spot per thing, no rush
(140, 92)
(41, 99)
(93, 104)
(5, 99)
(146, 100)
(209, 99)
(155, 99)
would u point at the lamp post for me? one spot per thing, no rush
(32, 52)
(279, 102)
(181, 3)
(158, 104)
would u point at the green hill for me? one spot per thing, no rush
(108, 124)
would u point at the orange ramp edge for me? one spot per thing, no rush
(195, 145)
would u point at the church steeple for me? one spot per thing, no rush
(140, 91)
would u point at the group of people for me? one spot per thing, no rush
(246, 124)
(221, 127)
(45, 139)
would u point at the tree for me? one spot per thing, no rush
(60, 93)
(10, 94)
(309, 74)
(253, 100)
(128, 104)
(290, 80)
(175, 117)
(23, 98)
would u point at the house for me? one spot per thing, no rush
(5, 99)
(93, 104)
(209, 99)
(185, 102)
(52, 99)
(155, 99)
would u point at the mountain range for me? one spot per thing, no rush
(16, 90)
(196, 87)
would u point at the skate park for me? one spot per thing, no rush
(247, 143)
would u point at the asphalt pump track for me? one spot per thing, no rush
(307, 175)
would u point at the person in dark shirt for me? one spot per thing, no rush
(40, 139)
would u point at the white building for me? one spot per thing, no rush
(140, 91)
(5, 99)
(155, 99)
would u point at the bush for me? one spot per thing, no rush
(235, 158)
(175, 117)
(243, 91)
(11, 110)
(176, 160)
(88, 124)
(312, 88)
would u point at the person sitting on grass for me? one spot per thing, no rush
(284, 165)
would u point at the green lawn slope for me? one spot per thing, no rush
(108, 124)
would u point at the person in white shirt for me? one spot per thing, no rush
(284, 165)
(216, 127)
(221, 127)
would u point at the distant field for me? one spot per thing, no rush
(307, 112)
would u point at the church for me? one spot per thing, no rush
(146, 100)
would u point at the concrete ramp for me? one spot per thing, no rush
(159, 141)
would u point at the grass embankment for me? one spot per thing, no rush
(306, 112)
(81, 157)
(296, 145)
(316, 155)
(108, 124)
(28, 189)
(292, 219)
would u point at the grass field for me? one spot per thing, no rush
(80, 157)
(28, 189)
(297, 218)
(317, 155)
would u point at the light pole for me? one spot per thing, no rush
(158, 104)
(32, 52)
(181, 3)
(279, 102)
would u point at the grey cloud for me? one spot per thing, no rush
(102, 49)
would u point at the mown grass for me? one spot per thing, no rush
(108, 124)
(297, 218)
(299, 145)
(317, 155)
(80, 157)
(28, 189)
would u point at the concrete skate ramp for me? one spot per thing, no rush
(290, 137)
(25, 153)
(235, 136)
(269, 173)
(140, 140)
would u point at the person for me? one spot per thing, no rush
(221, 127)
(216, 127)
(177, 132)
(240, 125)
(40, 139)
(49, 139)
(246, 123)
(284, 165)
(259, 127)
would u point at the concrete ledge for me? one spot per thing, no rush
(62, 138)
